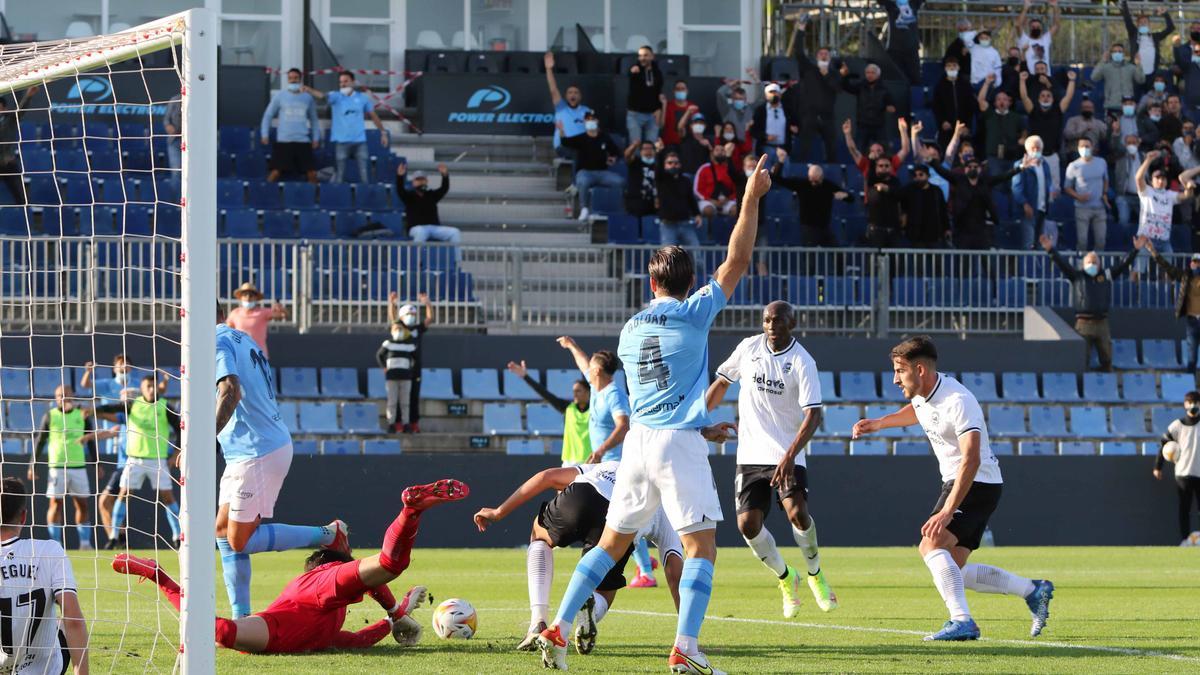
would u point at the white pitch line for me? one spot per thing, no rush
(1123, 651)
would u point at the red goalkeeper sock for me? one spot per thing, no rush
(398, 541)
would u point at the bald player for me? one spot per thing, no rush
(779, 410)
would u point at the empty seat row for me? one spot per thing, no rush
(878, 447)
(243, 223)
(1043, 421)
(18, 382)
(342, 446)
(305, 196)
(1027, 387)
(321, 417)
(542, 419)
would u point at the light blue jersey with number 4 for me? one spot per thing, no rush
(665, 351)
(256, 428)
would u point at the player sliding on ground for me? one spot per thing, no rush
(576, 515)
(779, 410)
(309, 613)
(951, 418)
(665, 350)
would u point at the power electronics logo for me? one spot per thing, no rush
(93, 95)
(487, 105)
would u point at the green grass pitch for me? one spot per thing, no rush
(1116, 610)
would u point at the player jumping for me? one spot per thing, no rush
(953, 421)
(665, 350)
(308, 615)
(779, 410)
(576, 514)
(258, 453)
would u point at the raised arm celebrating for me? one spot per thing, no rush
(745, 231)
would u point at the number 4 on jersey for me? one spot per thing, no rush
(650, 364)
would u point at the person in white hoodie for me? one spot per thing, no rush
(984, 60)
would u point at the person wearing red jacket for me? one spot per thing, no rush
(715, 192)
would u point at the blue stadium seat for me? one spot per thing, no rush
(1089, 422)
(560, 381)
(878, 410)
(521, 447)
(360, 418)
(1077, 448)
(376, 383)
(868, 447)
(890, 391)
(335, 196)
(341, 446)
(1125, 354)
(298, 383)
(1175, 386)
(828, 391)
(319, 418)
(1047, 421)
(14, 449)
(279, 224)
(382, 446)
(316, 225)
(15, 383)
(340, 383)
(305, 447)
(623, 229)
(302, 196)
(46, 380)
(607, 200)
(347, 223)
(502, 419)
(1151, 448)
(252, 165)
(480, 384)
(437, 384)
(1129, 422)
(515, 389)
(1161, 418)
(543, 420)
(1118, 448)
(839, 419)
(827, 448)
(1100, 387)
(1160, 354)
(858, 386)
(1038, 448)
(235, 139)
(1060, 387)
(1006, 420)
(983, 385)
(371, 196)
(1139, 387)
(231, 193)
(290, 415)
(1020, 387)
(911, 448)
(264, 195)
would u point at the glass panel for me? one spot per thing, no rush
(53, 20)
(714, 54)
(435, 25)
(250, 43)
(499, 25)
(362, 46)
(718, 12)
(252, 6)
(639, 22)
(373, 9)
(561, 17)
(125, 13)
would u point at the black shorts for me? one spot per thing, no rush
(576, 515)
(113, 486)
(752, 483)
(971, 518)
(292, 158)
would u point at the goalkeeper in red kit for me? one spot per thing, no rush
(309, 613)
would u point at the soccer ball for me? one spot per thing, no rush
(1170, 451)
(454, 618)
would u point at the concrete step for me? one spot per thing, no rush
(499, 183)
(513, 212)
(489, 236)
(496, 267)
(537, 225)
(494, 196)
(416, 153)
(468, 166)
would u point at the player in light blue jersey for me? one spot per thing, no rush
(109, 390)
(665, 459)
(258, 453)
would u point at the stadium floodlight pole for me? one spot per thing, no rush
(197, 624)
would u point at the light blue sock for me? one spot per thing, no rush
(695, 590)
(84, 530)
(236, 569)
(277, 537)
(118, 518)
(590, 571)
(641, 555)
(173, 518)
(56, 534)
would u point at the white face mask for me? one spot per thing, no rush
(591, 125)
(396, 334)
(728, 135)
(249, 304)
(951, 73)
(985, 43)
(697, 129)
(822, 64)
(293, 87)
(410, 320)
(1131, 149)
(121, 378)
(346, 91)
(1085, 152)
(749, 172)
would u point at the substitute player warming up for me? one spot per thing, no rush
(309, 613)
(665, 460)
(779, 410)
(971, 484)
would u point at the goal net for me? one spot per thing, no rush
(107, 300)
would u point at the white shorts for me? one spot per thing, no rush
(729, 209)
(250, 488)
(664, 537)
(667, 468)
(64, 482)
(138, 470)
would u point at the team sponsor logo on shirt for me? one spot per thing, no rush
(665, 406)
(769, 385)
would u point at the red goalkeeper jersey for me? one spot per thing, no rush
(309, 613)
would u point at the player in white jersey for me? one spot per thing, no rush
(665, 458)
(1185, 432)
(953, 421)
(576, 514)
(36, 584)
(779, 410)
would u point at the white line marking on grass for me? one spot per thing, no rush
(1122, 651)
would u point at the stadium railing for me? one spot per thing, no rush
(344, 285)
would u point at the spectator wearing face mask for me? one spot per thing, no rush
(1184, 147)
(1084, 125)
(819, 85)
(641, 160)
(737, 146)
(1131, 124)
(694, 149)
(1144, 42)
(875, 151)
(884, 199)
(251, 317)
(347, 132)
(736, 103)
(1046, 121)
(1033, 189)
(924, 217)
(1157, 205)
(1126, 157)
(1091, 293)
(873, 103)
(678, 213)
(972, 208)
(1087, 183)
(1187, 300)
(644, 105)
(904, 38)
(713, 185)
(596, 152)
(816, 194)
(953, 101)
(298, 132)
(569, 110)
(1188, 67)
(984, 59)
(421, 206)
(400, 358)
(1149, 125)
(1035, 39)
(1157, 93)
(1002, 129)
(1120, 77)
(677, 114)
(773, 125)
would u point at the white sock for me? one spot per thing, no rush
(763, 545)
(601, 607)
(988, 579)
(948, 579)
(807, 541)
(539, 567)
(687, 645)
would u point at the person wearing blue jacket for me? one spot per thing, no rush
(298, 132)
(1033, 189)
